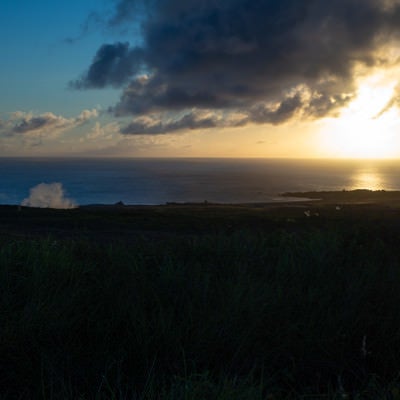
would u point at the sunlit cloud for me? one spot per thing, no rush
(223, 75)
(361, 131)
(47, 124)
(103, 132)
(271, 64)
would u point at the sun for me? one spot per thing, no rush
(362, 131)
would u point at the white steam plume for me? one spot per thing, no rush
(48, 195)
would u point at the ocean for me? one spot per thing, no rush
(157, 181)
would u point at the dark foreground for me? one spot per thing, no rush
(201, 301)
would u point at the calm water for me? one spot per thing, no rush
(156, 181)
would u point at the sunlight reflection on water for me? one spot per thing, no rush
(157, 181)
(367, 179)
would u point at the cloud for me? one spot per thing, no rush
(93, 19)
(271, 60)
(86, 115)
(156, 126)
(22, 123)
(201, 119)
(301, 104)
(30, 123)
(284, 111)
(126, 11)
(103, 132)
(112, 65)
(48, 195)
(393, 102)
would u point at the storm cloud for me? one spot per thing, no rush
(112, 65)
(267, 59)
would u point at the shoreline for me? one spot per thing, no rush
(120, 222)
(357, 196)
(287, 199)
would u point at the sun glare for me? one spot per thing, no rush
(362, 131)
(368, 179)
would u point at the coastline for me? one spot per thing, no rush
(117, 222)
(287, 199)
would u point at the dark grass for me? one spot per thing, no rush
(199, 303)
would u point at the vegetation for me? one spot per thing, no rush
(199, 303)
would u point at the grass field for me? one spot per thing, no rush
(201, 302)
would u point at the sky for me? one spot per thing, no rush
(200, 78)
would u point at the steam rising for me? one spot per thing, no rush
(48, 195)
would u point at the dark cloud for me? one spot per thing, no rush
(285, 110)
(299, 104)
(128, 11)
(270, 59)
(112, 65)
(200, 119)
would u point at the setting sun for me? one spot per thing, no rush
(366, 128)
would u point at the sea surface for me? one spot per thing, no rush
(157, 181)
